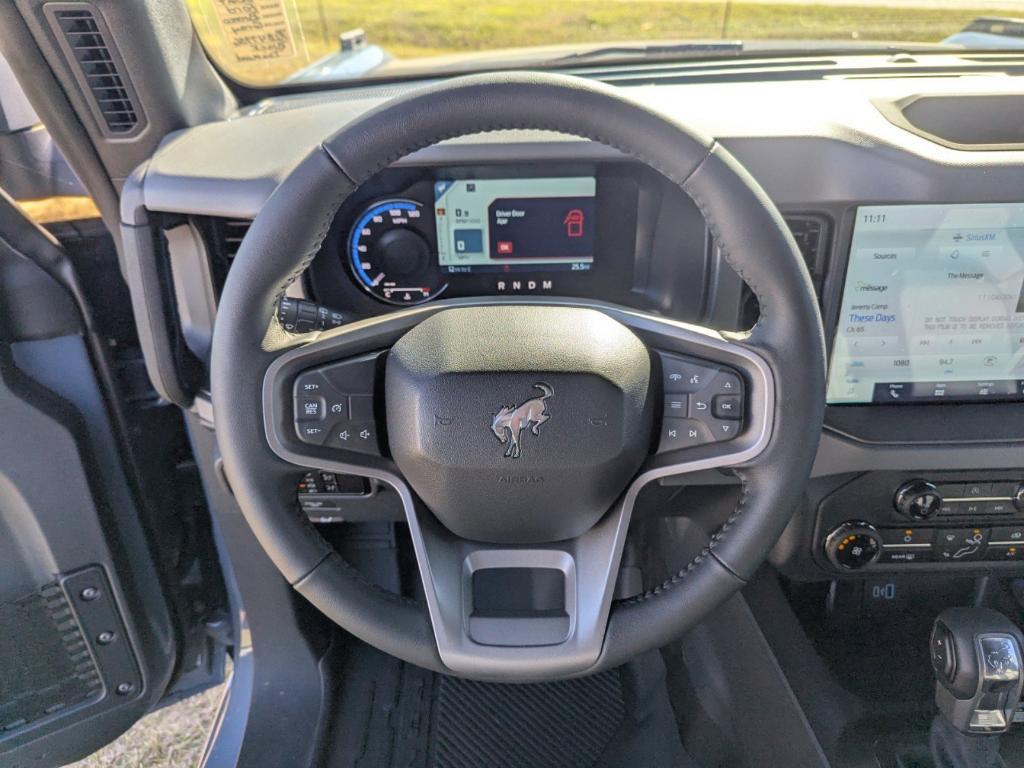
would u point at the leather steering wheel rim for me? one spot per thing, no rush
(289, 231)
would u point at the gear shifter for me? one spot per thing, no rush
(979, 670)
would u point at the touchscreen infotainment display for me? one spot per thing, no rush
(506, 225)
(932, 307)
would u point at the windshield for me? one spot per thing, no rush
(268, 42)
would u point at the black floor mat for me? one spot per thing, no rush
(388, 714)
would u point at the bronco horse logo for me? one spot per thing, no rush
(511, 420)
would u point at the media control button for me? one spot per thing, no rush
(998, 507)
(977, 490)
(727, 407)
(683, 433)
(726, 383)
(358, 436)
(917, 499)
(676, 406)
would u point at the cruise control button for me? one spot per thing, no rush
(314, 433)
(683, 433)
(727, 407)
(683, 376)
(336, 405)
(309, 384)
(309, 409)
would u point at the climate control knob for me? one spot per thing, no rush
(853, 545)
(917, 499)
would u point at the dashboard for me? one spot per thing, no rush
(915, 246)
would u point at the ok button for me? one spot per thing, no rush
(683, 433)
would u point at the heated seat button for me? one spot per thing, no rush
(683, 433)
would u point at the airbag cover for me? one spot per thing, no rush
(519, 424)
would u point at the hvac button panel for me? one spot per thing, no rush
(334, 405)
(943, 545)
(703, 404)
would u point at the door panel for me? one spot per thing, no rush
(99, 535)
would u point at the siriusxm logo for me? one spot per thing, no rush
(871, 287)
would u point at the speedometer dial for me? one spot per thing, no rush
(391, 256)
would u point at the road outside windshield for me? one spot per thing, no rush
(266, 42)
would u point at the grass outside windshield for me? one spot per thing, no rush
(305, 31)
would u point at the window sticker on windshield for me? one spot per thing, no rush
(256, 30)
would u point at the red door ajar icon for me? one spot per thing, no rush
(574, 223)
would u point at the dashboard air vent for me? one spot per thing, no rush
(223, 237)
(231, 233)
(97, 66)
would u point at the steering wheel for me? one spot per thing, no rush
(519, 431)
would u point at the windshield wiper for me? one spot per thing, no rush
(671, 50)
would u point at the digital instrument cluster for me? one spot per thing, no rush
(489, 231)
